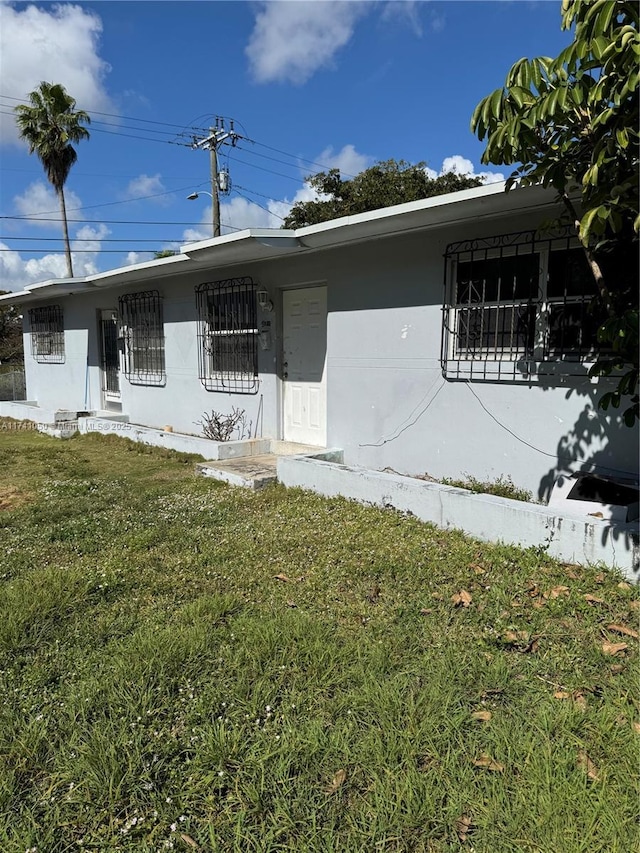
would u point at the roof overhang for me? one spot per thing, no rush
(252, 244)
(261, 244)
(46, 290)
(440, 211)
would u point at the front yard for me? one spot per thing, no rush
(187, 666)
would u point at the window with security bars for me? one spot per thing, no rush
(142, 332)
(228, 335)
(47, 334)
(519, 296)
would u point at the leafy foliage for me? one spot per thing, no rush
(11, 347)
(164, 253)
(572, 124)
(50, 125)
(382, 185)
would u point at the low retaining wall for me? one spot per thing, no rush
(205, 447)
(573, 539)
(28, 410)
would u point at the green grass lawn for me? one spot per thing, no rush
(187, 666)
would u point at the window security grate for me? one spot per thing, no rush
(228, 335)
(47, 334)
(142, 331)
(519, 297)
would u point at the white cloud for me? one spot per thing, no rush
(437, 22)
(60, 45)
(405, 11)
(348, 160)
(89, 238)
(236, 215)
(40, 199)
(147, 185)
(17, 271)
(462, 166)
(137, 258)
(291, 41)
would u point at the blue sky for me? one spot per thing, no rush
(310, 84)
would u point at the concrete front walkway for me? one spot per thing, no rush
(254, 472)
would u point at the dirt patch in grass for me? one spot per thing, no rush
(11, 498)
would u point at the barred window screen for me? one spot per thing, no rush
(47, 334)
(228, 335)
(572, 316)
(495, 305)
(519, 297)
(143, 338)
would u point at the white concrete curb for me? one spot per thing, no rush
(571, 538)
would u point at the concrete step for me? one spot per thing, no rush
(251, 472)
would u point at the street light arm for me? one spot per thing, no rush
(194, 196)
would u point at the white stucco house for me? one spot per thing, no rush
(450, 336)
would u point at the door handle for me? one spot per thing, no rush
(285, 375)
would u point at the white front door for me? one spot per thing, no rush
(304, 320)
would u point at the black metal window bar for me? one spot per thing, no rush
(142, 331)
(110, 354)
(519, 296)
(47, 334)
(228, 335)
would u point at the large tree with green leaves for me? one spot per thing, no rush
(571, 123)
(11, 348)
(382, 185)
(51, 125)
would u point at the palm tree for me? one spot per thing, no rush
(49, 125)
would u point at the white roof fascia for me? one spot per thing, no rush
(239, 236)
(51, 289)
(438, 211)
(407, 207)
(16, 296)
(156, 268)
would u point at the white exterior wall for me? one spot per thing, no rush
(181, 401)
(61, 386)
(388, 404)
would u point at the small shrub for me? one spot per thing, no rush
(503, 487)
(220, 427)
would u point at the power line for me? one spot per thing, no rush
(96, 239)
(184, 128)
(270, 171)
(97, 174)
(103, 204)
(107, 221)
(115, 115)
(116, 251)
(295, 156)
(253, 192)
(284, 162)
(261, 206)
(126, 135)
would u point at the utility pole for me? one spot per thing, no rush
(218, 136)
